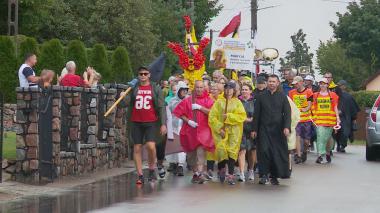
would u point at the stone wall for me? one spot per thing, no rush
(80, 138)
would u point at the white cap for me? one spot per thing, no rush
(309, 78)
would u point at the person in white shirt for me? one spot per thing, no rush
(26, 75)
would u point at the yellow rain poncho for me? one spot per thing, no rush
(295, 116)
(229, 146)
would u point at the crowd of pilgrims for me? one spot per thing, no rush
(224, 124)
(249, 128)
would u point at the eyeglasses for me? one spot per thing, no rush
(328, 77)
(322, 83)
(144, 73)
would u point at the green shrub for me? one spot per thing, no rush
(29, 45)
(76, 52)
(99, 61)
(8, 69)
(51, 56)
(121, 69)
(365, 98)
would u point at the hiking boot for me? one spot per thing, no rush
(222, 175)
(328, 158)
(274, 181)
(251, 175)
(180, 171)
(140, 180)
(161, 172)
(231, 180)
(152, 175)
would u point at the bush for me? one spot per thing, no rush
(99, 61)
(29, 45)
(52, 56)
(121, 69)
(365, 98)
(76, 52)
(8, 69)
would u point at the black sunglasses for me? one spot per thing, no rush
(144, 73)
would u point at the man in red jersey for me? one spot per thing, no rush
(148, 118)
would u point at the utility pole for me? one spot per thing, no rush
(12, 17)
(254, 8)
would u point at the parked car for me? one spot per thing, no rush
(373, 132)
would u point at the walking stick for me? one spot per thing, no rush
(131, 84)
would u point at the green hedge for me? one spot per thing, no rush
(114, 65)
(365, 98)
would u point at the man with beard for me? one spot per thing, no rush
(272, 126)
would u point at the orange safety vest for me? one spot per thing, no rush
(323, 109)
(301, 100)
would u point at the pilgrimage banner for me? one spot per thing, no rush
(232, 53)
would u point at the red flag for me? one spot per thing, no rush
(231, 27)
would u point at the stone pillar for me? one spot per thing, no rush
(71, 103)
(105, 152)
(121, 145)
(27, 135)
(56, 128)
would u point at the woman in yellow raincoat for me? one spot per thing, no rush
(226, 119)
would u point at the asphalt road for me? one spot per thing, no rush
(349, 184)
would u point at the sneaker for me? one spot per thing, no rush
(251, 175)
(343, 150)
(320, 160)
(297, 159)
(161, 172)
(222, 175)
(180, 171)
(274, 181)
(152, 175)
(209, 175)
(304, 157)
(195, 178)
(231, 180)
(263, 180)
(328, 158)
(241, 178)
(172, 167)
(201, 179)
(140, 180)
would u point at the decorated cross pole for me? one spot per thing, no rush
(191, 58)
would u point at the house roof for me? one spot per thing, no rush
(371, 78)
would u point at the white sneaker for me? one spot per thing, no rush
(241, 178)
(251, 175)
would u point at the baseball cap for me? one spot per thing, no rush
(297, 79)
(342, 82)
(309, 78)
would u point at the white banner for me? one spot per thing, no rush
(232, 53)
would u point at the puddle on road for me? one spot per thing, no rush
(88, 197)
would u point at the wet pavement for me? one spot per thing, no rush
(349, 184)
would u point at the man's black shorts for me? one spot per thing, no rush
(144, 132)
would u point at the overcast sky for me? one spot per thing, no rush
(276, 25)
